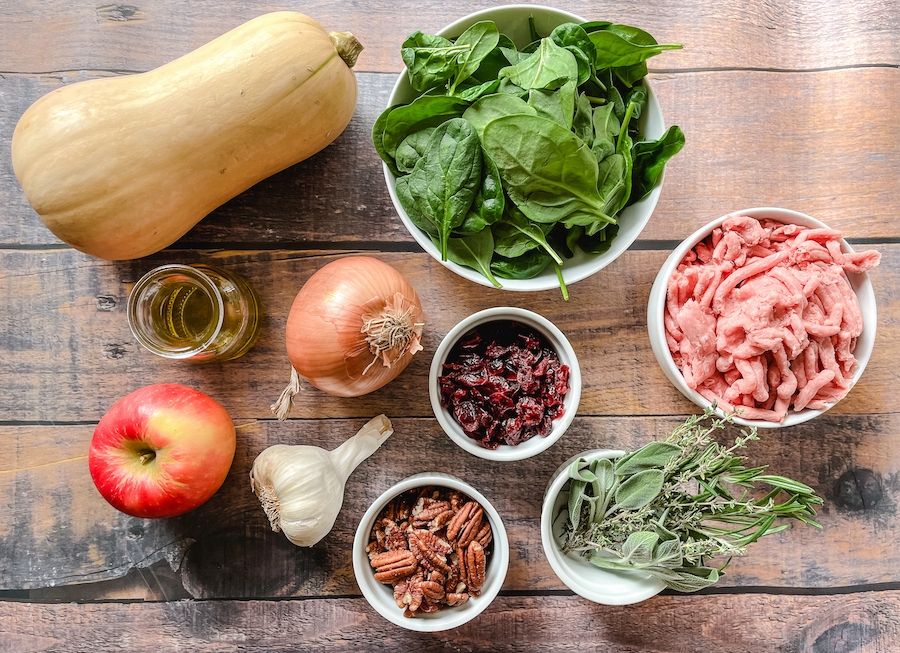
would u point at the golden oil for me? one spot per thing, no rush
(198, 313)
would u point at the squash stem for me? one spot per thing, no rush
(347, 46)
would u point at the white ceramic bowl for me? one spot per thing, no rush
(579, 575)
(381, 596)
(512, 20)
(656, 307)
(556, 340)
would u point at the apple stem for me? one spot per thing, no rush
(147, 457)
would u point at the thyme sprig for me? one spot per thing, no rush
(669, 506)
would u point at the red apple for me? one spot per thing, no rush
(162, 450)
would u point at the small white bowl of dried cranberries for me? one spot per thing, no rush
(505, 384)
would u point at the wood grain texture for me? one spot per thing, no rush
(747, 623)
(66, 331)
(753, 139)
(39, 35)
(55, 529)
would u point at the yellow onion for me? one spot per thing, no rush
(353, 327)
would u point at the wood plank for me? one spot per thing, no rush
(863, 623)
(38, 35)
(56, 530)
(753, 139)
(69, 354)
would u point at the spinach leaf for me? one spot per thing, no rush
(583, 120)
(639, 97)
(445, 180)
(616, 202)
(606, 131)
(489, 203)
(557, 105)
(516, 234)
(412, 149)
(599, 242)
(430, 60)
(411, 206)
(548, 64)
(495, 60)
(472, 93)
(526, 266)
(576, 40)
(491, 107)
(611, 180)
(595, 25)
(424, 111)
(378, 140)
(474, 252)
(621, 45)
(631, 75)
(650, 159)
(480, 39)
(549, 172)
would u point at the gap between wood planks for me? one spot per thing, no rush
(22, 596)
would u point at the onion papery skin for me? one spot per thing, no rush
(324, 334)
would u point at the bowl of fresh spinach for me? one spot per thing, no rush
(523, 147)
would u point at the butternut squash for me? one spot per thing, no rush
(122, 167)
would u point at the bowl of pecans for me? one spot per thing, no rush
(430, 553)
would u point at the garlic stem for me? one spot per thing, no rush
(349, 455)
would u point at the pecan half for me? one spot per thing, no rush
(471, 528)
(392, 566)
(429, 513)
(455, 598)
(475, 567)
(430, 557)
(484, 536)
(459, 520)
(394, 540)
(432, 589)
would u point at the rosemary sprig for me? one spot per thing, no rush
(669, 506)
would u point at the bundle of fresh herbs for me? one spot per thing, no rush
(666, 508)
(510, 160)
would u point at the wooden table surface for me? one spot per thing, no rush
(791, 103)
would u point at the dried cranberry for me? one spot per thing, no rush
(504, 384)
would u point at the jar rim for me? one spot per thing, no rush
(206, 285)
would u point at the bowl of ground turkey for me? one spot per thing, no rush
(767, 313)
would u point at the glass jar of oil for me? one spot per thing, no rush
(194, 312)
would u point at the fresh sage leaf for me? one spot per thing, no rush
(653, 455)
(638, 490)
(638, 548)
(446, 178)
(693, 579)
(574, 469)
(475, 252)
(668, 554)
(576, 500)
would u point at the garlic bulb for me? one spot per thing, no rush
(301, 487)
